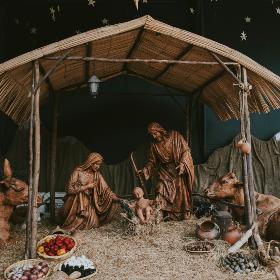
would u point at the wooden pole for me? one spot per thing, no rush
(248, 215)
(134, 60)
(249, 139)
(53, 157)
(36, 173)
(224, 65)
(30, 187)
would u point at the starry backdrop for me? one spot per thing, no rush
(249, 26)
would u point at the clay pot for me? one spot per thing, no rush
(244, 146)
(223, 219)
(207, 231)
(232, 235)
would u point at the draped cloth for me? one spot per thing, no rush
(173, 190)
(92, 207)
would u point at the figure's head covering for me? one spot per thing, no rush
(153, 126)
(92, 158)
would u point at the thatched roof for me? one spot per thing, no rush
(143, 38)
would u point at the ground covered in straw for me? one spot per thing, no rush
(158, 256)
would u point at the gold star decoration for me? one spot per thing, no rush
(91, 3)
(247, 19)
(105, 21)
(278, 10)
(192, 10)
(243, 36)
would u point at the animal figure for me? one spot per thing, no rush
(13, 192)
(230, 188)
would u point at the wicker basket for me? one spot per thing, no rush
(56, 268)
(56, 258)
(24, 262)
(187, 247)
(265, 257)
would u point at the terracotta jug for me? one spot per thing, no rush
(207, 231)
(232, 235)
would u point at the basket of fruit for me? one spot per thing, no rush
(77, 268)
(31, 269)
(239, 262)
(199, 247)
(56, 247)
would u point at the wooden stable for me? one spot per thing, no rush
(232, 84)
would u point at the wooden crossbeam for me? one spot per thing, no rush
(179, 57)
(48, 81)
(134, 46)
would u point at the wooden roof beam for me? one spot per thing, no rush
(179, 57)
(134, 46)
(48, 81)
(131, 72)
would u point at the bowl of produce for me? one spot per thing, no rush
(199, 247)
(239, 262)
(56, 247)
(31, 269)
(78, 267)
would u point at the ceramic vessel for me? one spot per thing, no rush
(207, 231)
(232, 235)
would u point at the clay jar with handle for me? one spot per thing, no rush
(232, 235)
(207, 231)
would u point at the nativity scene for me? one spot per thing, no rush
(133, 195)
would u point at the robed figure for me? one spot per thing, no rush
(89, 202)
(170, 160)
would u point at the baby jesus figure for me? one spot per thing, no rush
(143, 209)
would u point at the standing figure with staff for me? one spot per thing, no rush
(170, 160)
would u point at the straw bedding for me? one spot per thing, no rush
(158, 256)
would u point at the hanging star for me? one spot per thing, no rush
(105, 21)
(58, 8)
(192, 10)
(91, 3)
(243, 36)
(52, 11)
(33, 30)
(136, 2)
(247, 19)
(278, 10)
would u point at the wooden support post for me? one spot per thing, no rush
(53, 157)
(243, 104)
(249, 139)
(30, 187)
(36, 172)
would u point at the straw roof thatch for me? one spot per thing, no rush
(142, 38)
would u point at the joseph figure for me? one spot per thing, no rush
(170, 160)
(89, 201)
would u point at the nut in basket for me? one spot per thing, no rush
(199, 247)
